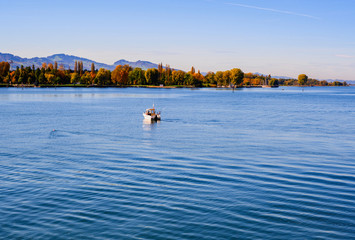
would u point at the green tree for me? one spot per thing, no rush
(337, 83)
(188, 79)
(152, 76)
(86, 78)
(302, 79)
(41, 79)
(136, 77)
(273, 82)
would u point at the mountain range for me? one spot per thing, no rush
(68, 61)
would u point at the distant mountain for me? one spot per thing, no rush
(141, 64)
(69, 61)
(278, 77)
(282, 77)
(339, 80)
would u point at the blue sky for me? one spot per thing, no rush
(278, 37)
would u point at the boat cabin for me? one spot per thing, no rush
(150, 111)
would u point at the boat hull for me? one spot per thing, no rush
(150, 117)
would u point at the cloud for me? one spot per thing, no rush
(344, 56)
(273, 10)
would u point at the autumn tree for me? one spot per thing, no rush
(219, 78)
(178, 77)
(7, 79)
(247, 80)
(323, 83)
(103, 77)
(119, 76)
(80, 67)
(258, 80)
(236, 76)
(50, 66)
(226, 78)
(44, 66)
(74, 78)
(210, 78)
(4, 70)
(198, 79)
(92, 71)
(168, 77)
(50, 78)
(302, 79)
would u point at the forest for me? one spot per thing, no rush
(50, 75)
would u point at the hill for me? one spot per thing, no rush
(68, 61)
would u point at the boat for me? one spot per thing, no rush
(151, 114)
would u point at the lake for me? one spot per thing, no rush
(80, 163)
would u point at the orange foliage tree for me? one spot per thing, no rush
(119, 76)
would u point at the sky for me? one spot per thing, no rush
(277, 37)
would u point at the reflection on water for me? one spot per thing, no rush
(150, 124)
(40, 94)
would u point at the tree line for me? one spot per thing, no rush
(124, 75)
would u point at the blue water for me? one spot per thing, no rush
(249, 164)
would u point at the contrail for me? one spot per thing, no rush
(273, 10)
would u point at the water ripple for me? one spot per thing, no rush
(235, 174)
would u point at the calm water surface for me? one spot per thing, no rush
(249, 164)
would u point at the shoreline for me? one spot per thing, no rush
(143, 86)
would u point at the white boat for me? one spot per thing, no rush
(151, 114)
